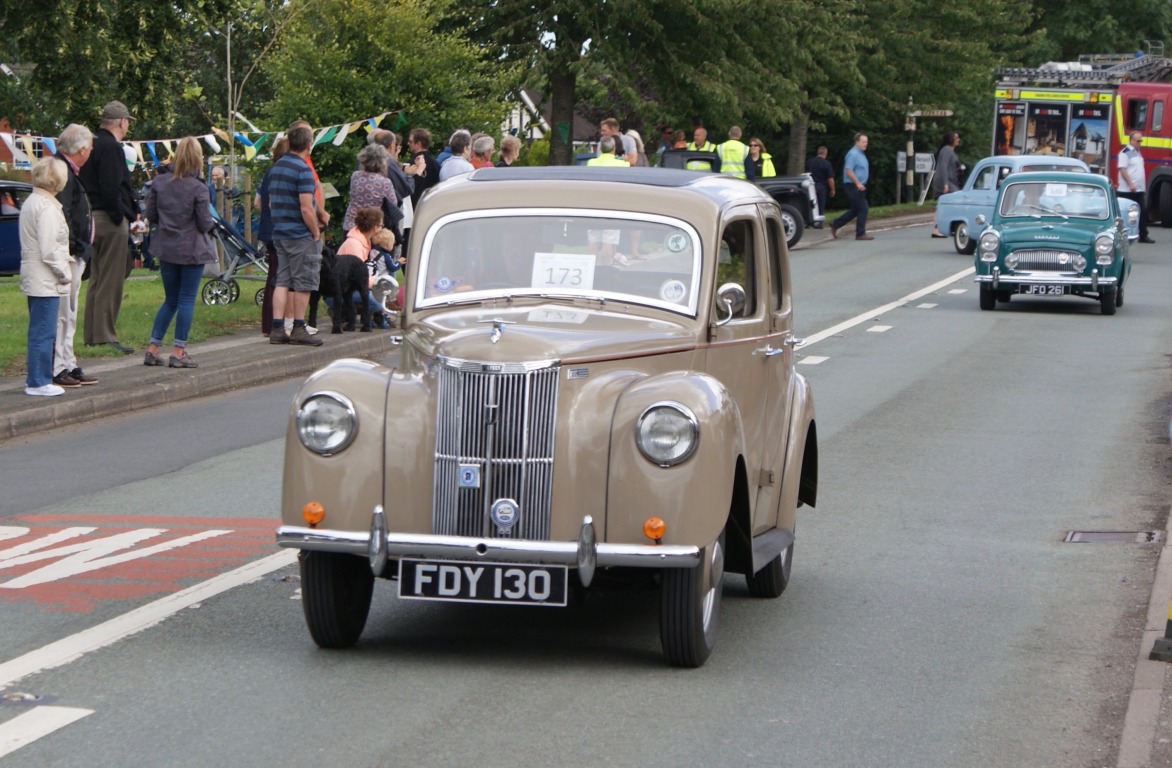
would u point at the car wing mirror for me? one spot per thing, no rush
(731, 297)
(980, 219)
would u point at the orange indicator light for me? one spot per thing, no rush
(313, 513)
(654, 528)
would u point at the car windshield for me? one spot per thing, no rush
(639, 258)
(1052, 198)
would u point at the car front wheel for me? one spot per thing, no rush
(772, 580)
(961, 240)
(988, 296)
(335, 593)
(794, 226)
(690, 608)
(1107, 301)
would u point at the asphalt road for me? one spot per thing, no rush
(936, 616)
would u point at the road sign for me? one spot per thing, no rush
(931, 113)
(924, 162)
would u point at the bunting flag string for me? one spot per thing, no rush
(27, 148)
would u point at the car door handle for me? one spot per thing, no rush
(793, 341)
(769, 350)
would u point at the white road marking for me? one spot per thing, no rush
(89, 555)
(75, 646)
(812, 360)
(925, 305)
(872, 314)
(959, 290)
(878, 328)
(38, 722)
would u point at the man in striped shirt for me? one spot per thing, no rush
(296, 237)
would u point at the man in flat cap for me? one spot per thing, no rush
(107, 184)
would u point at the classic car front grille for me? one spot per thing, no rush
(1044, 260)
(496, 424)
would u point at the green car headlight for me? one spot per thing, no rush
(667, 433)
(326, 423)
(1104, 246)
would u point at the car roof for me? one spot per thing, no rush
(1019, 160)
(621, 182)
(15, 184)
(1066, 177)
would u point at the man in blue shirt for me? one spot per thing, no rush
(296, 238)
(855, 174)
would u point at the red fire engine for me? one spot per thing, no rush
(1088, 109)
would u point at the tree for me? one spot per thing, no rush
(1075, 27)
(352, 58)
(79, 54)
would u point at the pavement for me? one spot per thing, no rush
(247, 359)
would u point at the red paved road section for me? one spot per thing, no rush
(58, 566)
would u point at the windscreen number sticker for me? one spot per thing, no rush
(564, 271)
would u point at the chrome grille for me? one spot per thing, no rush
(499, 419)
(1044, 260)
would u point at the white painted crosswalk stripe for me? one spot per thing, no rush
(37, 723)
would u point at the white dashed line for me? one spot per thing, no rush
(925, 305)
(878, 328)
(812, 360)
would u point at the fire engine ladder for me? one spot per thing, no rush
(1096, 70)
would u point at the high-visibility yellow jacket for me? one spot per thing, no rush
(732, 158)
(700, 165)
(767, 165)
(608, 159)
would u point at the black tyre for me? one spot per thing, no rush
(1166, 206)
(1004, 296)
(690, 608)
(260, 297)
(1107, 301)
(772, 580)
(988, 296)
(962, 241)
(335, 593)
(793, 223)
(1119, 293)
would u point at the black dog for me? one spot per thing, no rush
(340, 277)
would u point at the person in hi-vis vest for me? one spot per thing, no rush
(733, 155)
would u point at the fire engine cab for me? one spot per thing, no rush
(1087, 110)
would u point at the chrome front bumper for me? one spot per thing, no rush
(1094, 282)
(585, 554)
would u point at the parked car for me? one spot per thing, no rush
(1055, 234)
(957, 212)
(795, 194)
(12, 197)
(595, 387)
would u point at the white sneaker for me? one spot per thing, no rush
(49, 390)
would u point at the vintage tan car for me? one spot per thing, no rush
(595, 386)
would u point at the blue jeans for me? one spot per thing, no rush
(42, 333)
(180, 286)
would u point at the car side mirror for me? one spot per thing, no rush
(980, 220)
(732, 297)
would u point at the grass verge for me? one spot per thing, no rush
(142, 295)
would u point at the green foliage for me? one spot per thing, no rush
(1075, 27)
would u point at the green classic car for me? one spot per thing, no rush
(1055, 234)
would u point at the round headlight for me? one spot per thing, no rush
(667, 434)
(1133, 216)
(990, 242)
(1104, 244)
(326, 423)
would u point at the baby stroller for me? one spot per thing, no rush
(238, 254)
